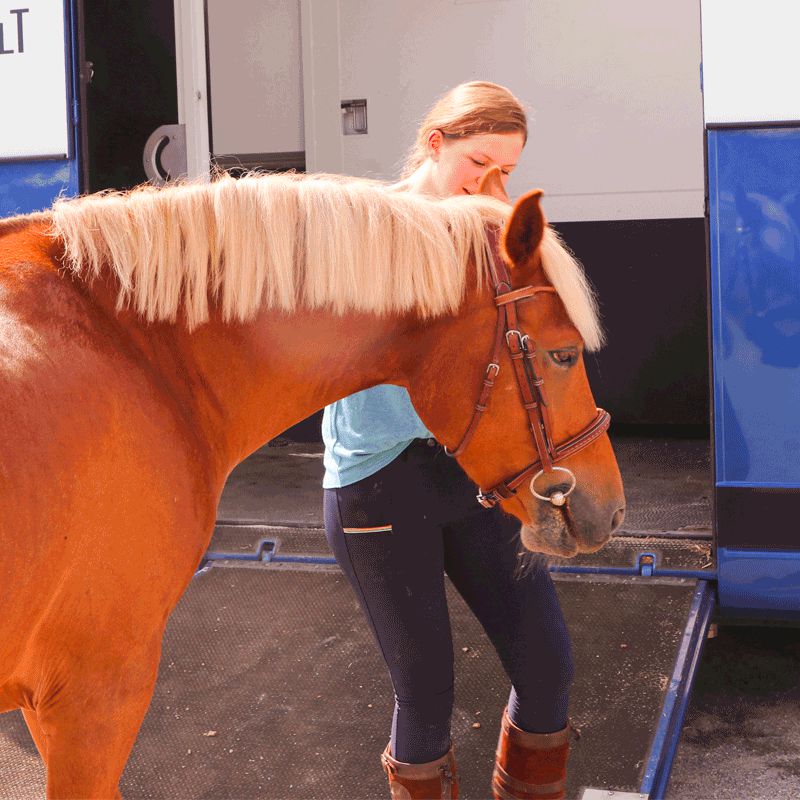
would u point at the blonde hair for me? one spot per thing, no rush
(280, 241)
(291, 241)
(469, 109)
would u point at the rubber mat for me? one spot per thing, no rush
(667, 484)
(271, 687)
(276, 485)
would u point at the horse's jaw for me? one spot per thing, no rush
(552, 543)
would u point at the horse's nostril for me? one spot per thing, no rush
(616, 520)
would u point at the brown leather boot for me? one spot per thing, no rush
(435, 780)
(530, 766)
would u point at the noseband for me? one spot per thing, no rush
(522, 350)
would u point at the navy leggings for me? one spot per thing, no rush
(395, 534)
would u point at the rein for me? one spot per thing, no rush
(522, 350)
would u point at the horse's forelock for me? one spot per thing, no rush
(566, 274)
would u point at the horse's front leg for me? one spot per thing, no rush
(89, 710)
(86, 724)
(32, 721)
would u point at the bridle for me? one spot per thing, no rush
(522, 350)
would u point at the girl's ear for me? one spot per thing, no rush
(492, 184)
(435, 139)
(524, 230)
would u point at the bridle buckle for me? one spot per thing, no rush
(487, 501)
(514, 332)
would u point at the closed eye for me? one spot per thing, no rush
(482, 164)
(565, 358)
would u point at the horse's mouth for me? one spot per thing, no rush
(552, 543)
(556, 534)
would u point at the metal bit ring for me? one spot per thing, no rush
(556, 498)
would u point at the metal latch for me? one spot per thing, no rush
(646, 564)
(354, 117)
(164, 156)
(263, 551)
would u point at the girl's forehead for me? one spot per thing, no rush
(501, 147)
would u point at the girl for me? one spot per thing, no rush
(399, 514)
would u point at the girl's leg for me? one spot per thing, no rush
(393, 557)
(519, 609)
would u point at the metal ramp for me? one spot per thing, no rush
(270, 686)
(280, 666)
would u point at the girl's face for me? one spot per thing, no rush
(460, 162)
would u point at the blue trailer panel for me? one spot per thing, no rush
(754, 227)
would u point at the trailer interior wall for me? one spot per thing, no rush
(613, 91)
(256, 80)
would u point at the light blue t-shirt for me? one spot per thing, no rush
(366, 431)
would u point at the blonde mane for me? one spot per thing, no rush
(289, 241)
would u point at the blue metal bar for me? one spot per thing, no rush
(304, 559)
(266, 552)
(694, 574)
(645, 567)
(665, 742)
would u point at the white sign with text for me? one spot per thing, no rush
(33, 80)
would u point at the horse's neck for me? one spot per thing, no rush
(241, 384)
(258, 379)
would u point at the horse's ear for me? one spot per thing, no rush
(524, 230)
(492, 184)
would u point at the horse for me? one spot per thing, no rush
(151, 339)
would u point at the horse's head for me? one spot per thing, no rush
(539, 448)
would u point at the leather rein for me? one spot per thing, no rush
(522, 350)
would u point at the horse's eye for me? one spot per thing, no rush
(565, 358)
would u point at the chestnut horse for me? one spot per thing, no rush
(151, 340)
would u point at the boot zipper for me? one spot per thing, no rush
(447, 781)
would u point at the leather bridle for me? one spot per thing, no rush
(522, 350)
